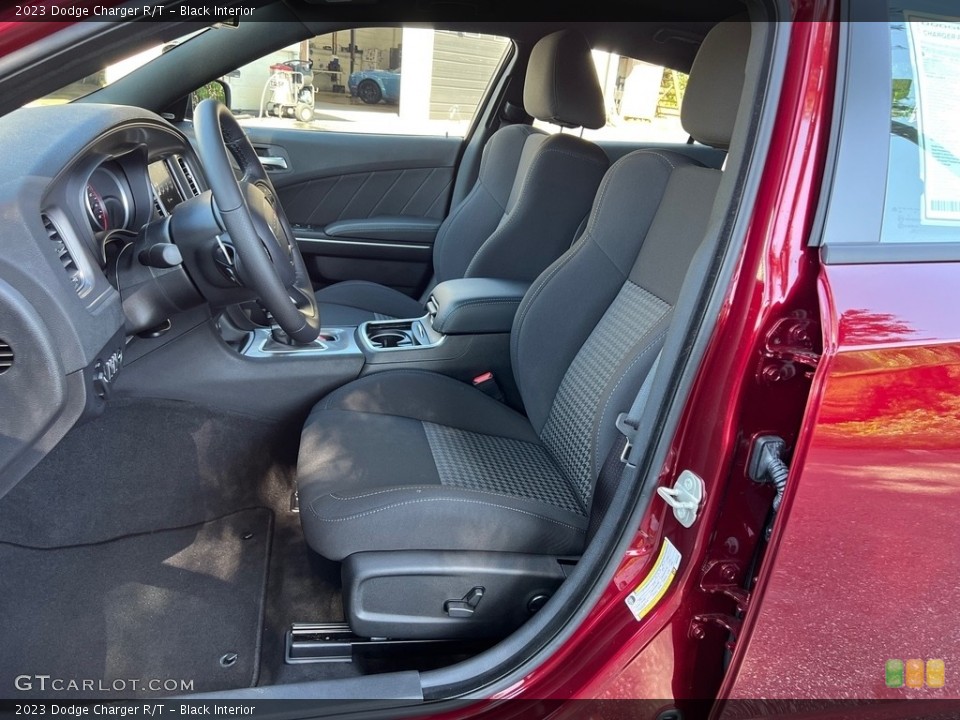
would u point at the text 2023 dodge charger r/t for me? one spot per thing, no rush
(614, 362)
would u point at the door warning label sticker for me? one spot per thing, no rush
(655, 585)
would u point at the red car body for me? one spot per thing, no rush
(861, 564)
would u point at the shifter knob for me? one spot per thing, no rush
(279, 336)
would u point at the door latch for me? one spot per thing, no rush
(684, 497)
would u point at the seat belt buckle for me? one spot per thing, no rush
(487, 384)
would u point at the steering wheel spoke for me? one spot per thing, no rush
(266, 252)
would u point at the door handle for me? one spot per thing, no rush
(273, 162)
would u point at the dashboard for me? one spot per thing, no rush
(80, 182)
(108, 198)
(116, 207)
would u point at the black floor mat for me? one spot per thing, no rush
(172, 605)
(146, 465)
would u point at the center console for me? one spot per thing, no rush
(399, 335)
(463, 317)
(465, 332)
(228, 362)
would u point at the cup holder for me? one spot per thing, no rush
(410, 334)
(390, 338)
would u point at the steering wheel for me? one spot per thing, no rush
(268, 260)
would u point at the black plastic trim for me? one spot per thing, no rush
(853, 199)
(889, 253)
(391, 687)
(444, 595)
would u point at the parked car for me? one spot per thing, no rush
(375, 86)
(521, 423)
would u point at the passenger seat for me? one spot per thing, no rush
(533, 192)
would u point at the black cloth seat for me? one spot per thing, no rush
(408, 459)
(461, 455)
(532, 194)
(353, 302)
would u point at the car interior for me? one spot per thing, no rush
(258, 439)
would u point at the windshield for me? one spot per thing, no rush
(111, 73)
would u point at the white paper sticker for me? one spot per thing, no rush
(935, 54)
(655, 585)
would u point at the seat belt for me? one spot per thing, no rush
(616, 460)
(629, 422)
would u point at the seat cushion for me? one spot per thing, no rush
(350, 303)
(411, 460)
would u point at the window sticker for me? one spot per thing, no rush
(935, 55)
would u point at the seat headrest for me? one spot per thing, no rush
(712, 98)
(561, 86)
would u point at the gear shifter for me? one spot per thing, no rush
(279, 336)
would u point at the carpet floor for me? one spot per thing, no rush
(122, 554)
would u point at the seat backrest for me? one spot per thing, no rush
(534, 189)
(590, 327)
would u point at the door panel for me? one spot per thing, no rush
(401, 264)
(417, 192)
(326, 177)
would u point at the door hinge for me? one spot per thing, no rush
(720, 577)
(792, 341)
(698, 626)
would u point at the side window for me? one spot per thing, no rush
(922, 202)
(398, 80)
(642, 100)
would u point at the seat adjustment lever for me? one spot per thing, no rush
(465, 606)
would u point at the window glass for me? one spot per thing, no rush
(111, 73)
(414, 81)
(642, 101)
(922, 202)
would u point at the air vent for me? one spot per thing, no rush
(188, 174)
(6, 356)
(63, 252)
(158, 207)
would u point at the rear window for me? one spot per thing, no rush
(642, 101)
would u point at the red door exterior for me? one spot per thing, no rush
(866, 569)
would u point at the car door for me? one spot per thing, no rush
(366, 177)
(856, 599)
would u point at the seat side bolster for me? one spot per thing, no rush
(478, 215)
(553, 191)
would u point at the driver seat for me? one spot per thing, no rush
(409, 460)
(532, 195)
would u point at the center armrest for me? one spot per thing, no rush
(475, 305)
